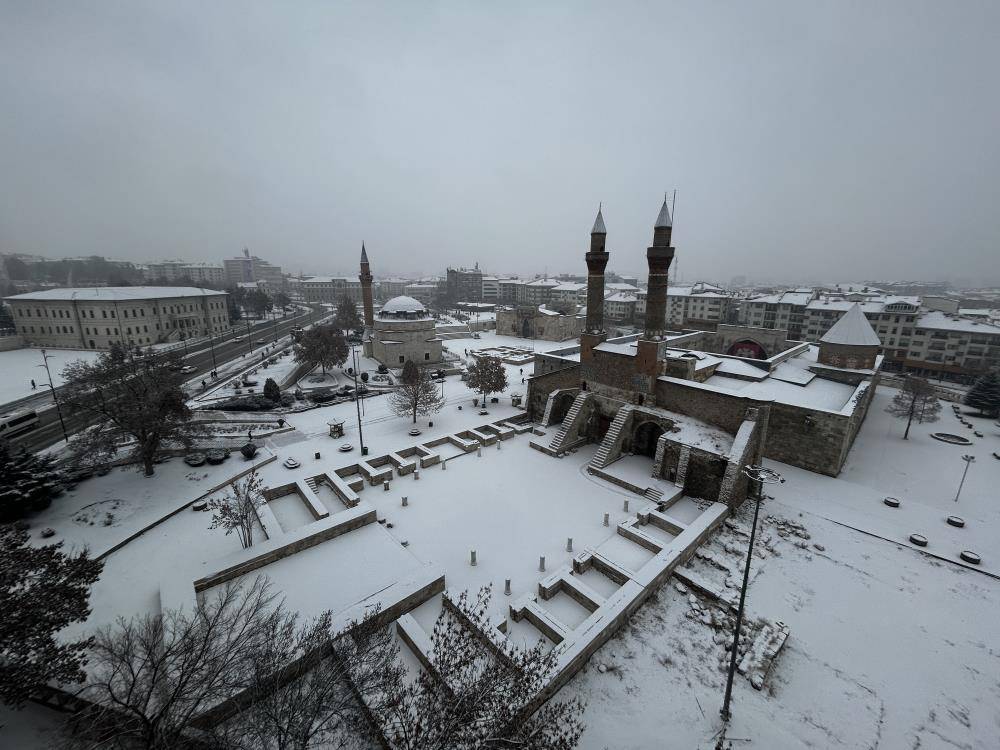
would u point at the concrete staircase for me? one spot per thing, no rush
(550, 403)
(571, 423)
(311, 483)
(610, 447)
(653, 494)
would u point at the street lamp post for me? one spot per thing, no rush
(761, 475)
(357, 400)
(969, 459)
(249, 338)
(55, 396)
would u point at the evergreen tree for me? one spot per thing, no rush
(27, 483)
(346, 317)
(272, 391)
(321, 346)
(985, 395)
(488, 376)
(416, 393)
(42, 590)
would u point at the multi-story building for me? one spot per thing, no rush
(619, 307)
(425, 292)
(915, 339)
(464, 285)
(784, 311)
(389, 288)
(209, 274)
(509, 290)
(97, 317)
(570, 292)
(536, 292)
(246, 267)
(331, 289)
(491, 289)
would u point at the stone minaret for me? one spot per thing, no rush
(366, 294)
(658, 257)
(597, 261)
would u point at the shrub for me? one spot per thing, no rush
(271, 390)
(249, 451)
(364, 377)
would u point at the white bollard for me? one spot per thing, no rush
(607, 518)
(479, 450)
(472, 558)
(569, 544)
(416, 473)
(444, 466)
(541, 563)
(506, 587)
(498, 443)
(405, 501)
(625, 505)
(385, 485)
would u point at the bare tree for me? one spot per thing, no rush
(416, 393)
(487, 375)
(136, 397)
(314, 702)
(152, 676)
(476, 696)
(915, 400)
(237, 510)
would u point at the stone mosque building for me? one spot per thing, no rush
(659, 393)
(402, 330)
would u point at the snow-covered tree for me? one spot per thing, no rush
(916, 400)
(487, 375)
(416, 393)
(27, 483)
(346, 317)
(984, 395)
(42, 590)
(139, 398)
(322, 346)
(272, 391)
(237, 509)
(476, 696)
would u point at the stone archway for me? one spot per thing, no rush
(562, 404)
(747, 348)
(644, 438)
(527, 329)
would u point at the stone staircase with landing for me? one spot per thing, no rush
(610, 448)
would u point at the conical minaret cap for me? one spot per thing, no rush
(599, 227)
(364, 253)
(663, 220)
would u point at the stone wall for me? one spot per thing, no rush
(540, 386)
(851, 357)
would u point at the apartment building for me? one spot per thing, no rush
(331, 289)
(246, 268)
(783, 311)
(210, 274)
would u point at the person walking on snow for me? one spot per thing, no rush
(33, 384)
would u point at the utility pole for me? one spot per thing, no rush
(55, 396)
(357, 401)
(969, 459)
(761, 476)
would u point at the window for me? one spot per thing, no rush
(401, 359)
(427, 355)
(104, 313)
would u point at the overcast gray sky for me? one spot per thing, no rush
(807, 141)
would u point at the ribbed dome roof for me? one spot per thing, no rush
(403, 305)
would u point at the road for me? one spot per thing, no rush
(203, 357)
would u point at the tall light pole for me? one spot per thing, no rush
(357, 401)
(761, 475)
(969, 459)
(55, 396)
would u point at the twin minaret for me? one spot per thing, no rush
(658, 258)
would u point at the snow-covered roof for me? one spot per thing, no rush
(620, 297)
(599, 224)
(868, 305)
(853, 329)
(326, 279)
(943, 322)
(403, 305)
(620, 287)
(115, 293)
(569, 286)
(544, 282)
(663, 219)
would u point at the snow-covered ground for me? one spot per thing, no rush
(21, 366)
(889, 647)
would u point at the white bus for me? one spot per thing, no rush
(17, 423)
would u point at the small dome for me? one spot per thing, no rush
(399, 305)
